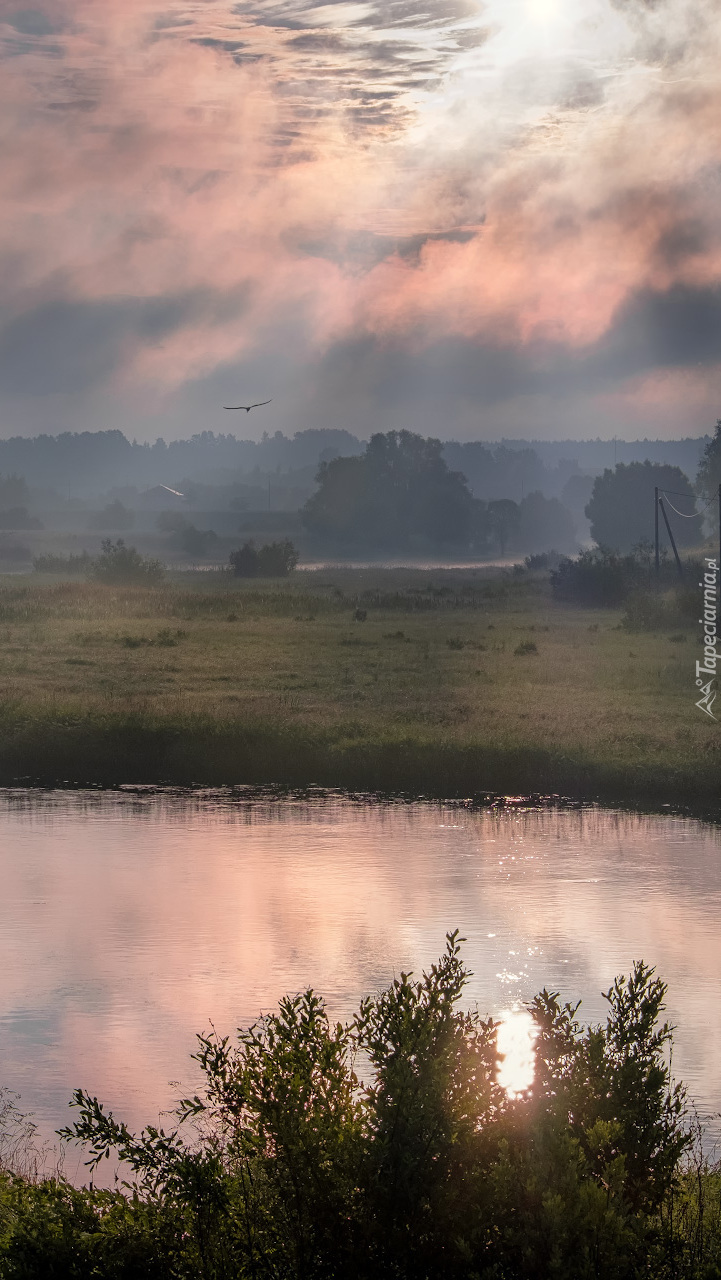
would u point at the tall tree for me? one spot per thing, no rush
(621, 508)
(546, 525)
(503, 517)
(398, 493)
(709, 474)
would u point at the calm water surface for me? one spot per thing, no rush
(128, 923)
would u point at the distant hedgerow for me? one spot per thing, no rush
(273, 560)
(72, 564)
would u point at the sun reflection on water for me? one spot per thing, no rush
(515, 1038)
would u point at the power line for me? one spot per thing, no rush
(694, 515)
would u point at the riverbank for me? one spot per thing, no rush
(445, 683)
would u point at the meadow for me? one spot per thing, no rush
(445, 682)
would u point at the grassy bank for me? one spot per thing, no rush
(453, 682)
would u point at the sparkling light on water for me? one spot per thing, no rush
(515, 1039)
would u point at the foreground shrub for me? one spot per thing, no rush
(597, 577)
(120, 564)
(288, 1165)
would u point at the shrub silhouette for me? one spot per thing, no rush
(120, 564)
(245, 562)
(286, 1164)
(274, 560)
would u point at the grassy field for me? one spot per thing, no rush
(455, 683)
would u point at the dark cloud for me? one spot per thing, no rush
(364, 249)
(68, 346)
(74, 104)
(34, 22)
(431, 386)
(227, 46)
(678, 328)
(368, 42)
(686, 239)
(318, 42)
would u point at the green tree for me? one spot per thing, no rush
(545, 524)
(504, 518)
(13, 491)
(708, 477)
(621, 508)
(114, 516)
(398, 494)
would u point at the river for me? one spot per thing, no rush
(129, 921)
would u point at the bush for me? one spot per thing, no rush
(244, 562)
(277, 559)
(19, 518)
(72, 564)
(287, 1165)
(597, 577)
(543, 560)
(120, 564)
(274, 560)
(197, 542)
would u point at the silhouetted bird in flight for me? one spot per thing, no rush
(247, 407)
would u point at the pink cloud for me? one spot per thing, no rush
(144, 160)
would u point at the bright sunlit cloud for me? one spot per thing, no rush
(502, 211)
(515, 1039)
(543, 10)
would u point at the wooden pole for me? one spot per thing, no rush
(673, 544)
(719, 526)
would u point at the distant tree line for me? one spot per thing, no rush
(400, 494)
(92, 462)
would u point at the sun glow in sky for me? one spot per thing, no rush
(480, 219)
(543, 10)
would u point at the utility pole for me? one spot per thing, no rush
(655, 527)
(719, 525)
(671, 539)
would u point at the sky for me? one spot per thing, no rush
(469, 219)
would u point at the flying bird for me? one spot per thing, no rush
(247, 407)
